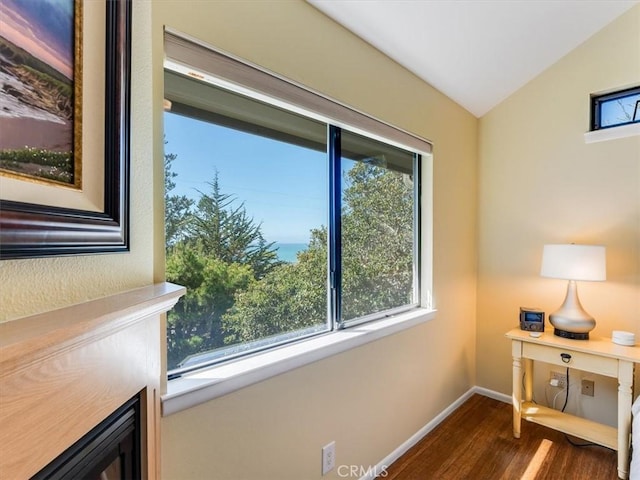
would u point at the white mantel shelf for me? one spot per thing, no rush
(64, 371)
(32, 338)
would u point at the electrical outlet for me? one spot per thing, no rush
(328, 457)
(561, 379)
(588, 387)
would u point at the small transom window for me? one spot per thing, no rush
(615, 109)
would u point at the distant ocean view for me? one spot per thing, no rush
(287, 251)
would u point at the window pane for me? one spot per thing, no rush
(619, 111)
(246, 208)
(377, 227)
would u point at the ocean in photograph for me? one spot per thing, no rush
(287, 251)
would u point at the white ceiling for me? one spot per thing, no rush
(477, 52)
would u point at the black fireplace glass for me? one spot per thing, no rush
(111, 451)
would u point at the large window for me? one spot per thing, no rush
(281, 223)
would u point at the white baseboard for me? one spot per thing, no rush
(381, 467)
(501, 397)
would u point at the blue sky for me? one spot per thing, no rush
(612, 112)
(283, 186)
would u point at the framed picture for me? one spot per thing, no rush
(64, 127)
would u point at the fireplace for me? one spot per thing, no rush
(63, 372)
(110, 451)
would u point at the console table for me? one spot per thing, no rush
(597, 355)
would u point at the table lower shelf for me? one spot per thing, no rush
(570, 424)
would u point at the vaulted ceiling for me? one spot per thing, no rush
(477, 52)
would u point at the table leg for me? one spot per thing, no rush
(528, 379)
(516, 349)
(625, 382)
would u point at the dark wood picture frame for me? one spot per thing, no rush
(33, 230)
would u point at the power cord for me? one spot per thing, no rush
(588, 444)
(566, 398)
(575, 444)
(564, 389)
(553, 403)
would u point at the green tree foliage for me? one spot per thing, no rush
(195, 322)
(377, 240)
(290, 297)
(226, 231)
(215, 250)
(238, 291)
(176, 207)
(377, 256)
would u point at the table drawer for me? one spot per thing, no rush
(578, 360)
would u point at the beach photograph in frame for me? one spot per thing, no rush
(42, 219)
(41, 94)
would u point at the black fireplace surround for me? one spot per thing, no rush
(111, 451)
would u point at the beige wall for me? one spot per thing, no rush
(33, 286)
(539, 182)
(371, 399)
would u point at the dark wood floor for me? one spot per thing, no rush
(475, 442)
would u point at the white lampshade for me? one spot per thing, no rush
(574, 262)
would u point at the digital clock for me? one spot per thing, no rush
(531, 319)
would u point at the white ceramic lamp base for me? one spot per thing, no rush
(571, 320)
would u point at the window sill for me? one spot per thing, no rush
(199, 387)
(631, 130)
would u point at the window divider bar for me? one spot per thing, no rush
(335, 226)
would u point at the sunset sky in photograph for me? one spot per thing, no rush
(44, 28)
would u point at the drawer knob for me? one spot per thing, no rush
(566, 357)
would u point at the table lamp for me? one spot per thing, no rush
(573, 262)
